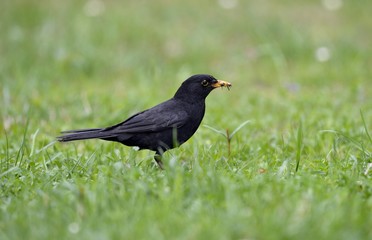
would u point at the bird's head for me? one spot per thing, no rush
(199, 86)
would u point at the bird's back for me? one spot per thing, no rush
(164, 126)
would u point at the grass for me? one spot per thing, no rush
(301, 168)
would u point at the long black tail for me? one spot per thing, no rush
(82, 134)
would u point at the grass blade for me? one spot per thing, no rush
(365, 126)
(33, 142)
(238, 128)
(215, 130)
(299, 145)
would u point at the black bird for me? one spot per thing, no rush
(162, 127)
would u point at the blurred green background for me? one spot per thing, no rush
(297, 68)
(54, 54)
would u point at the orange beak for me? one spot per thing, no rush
(221, 83)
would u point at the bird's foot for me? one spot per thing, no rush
(158, 158)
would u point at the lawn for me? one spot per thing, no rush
(298, 166)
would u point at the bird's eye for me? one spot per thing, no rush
(204, 83)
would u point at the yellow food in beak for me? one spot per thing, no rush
(221, 83)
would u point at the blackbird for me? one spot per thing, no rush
(162, 127)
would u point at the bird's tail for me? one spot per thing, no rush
(81, 134)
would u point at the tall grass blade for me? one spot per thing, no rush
(299, 145)
(215, 130)
(33, 142)
(365, 126)
(238, 128)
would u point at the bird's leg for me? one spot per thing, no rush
(158, 158)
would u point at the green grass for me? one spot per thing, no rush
(301, 168)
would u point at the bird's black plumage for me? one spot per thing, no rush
(163, 126)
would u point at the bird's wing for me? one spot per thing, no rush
(159, 118)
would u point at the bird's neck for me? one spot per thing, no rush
(187, 97)
(191, 100)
